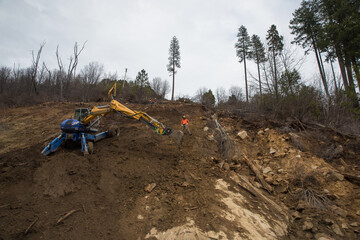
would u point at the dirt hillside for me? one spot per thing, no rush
(204, 189)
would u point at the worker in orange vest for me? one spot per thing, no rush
(185, 125)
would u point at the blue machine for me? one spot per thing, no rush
(75, 130)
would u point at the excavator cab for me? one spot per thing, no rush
(81, 113)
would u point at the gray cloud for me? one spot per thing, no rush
(136, 34)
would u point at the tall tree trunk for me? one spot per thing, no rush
(259, 78)
(324, 75)
(349, 73)
(320, 66)
(172, 94)
(333, 72)
(357, 72)
(246, 83)
(342, 68)
(275, 74)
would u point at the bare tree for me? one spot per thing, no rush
(90, 76)
(35, 65)
(221, 96)
(236, 91)
(156, 85)
(165, 88)
(71, 70)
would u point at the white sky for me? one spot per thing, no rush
(136, 34)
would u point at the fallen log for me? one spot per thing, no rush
(352, 178)
(67, 215)
(258, 174)
(245, 184)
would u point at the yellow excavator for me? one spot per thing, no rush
(83, 127)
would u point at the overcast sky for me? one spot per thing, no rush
(136, 34)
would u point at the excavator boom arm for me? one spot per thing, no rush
(115, 106)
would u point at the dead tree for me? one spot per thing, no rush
(35, 65)
(71, 72)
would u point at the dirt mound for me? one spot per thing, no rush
(203, 190)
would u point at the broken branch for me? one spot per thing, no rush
(67, 215)
(31, 225)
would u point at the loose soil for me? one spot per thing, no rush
(201, 192)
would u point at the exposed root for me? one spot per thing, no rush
(314, 199)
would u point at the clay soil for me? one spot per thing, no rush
(199, 193)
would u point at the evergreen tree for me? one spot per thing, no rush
(258, 54)
(306, 25)
(142, 79)
(208, 99)
(141, 85)
(341, 20)
(243, 51)
(174, 61)
(275, 44)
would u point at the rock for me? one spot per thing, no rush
(267, 170)
(226, 166)
(326, 191)
(261, 132)
(280, 170)
(298, 156)
(150, 187)
(308, 235)
(269, 179)
(206, 129)
(344, 226)
(140, 217)
(211, 137)
(281, 155)
(272, 150)
(339, 211)
(301, 206)
(185, 184)
(296, 215)
(282, 188)
(358, 212)
(322, 236)
(337, 230)
(266, 129)
(242, 134)
(307, 226)
(291, 150)
(354, 224)
(328, 221)
(336, 176)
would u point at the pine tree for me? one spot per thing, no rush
(341, 20)
(142, 79)
(258, 54)
(243, 51)
(174, 61)
(276, 45)
(141, 85)
(306, 26)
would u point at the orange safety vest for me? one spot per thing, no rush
(184, 121)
